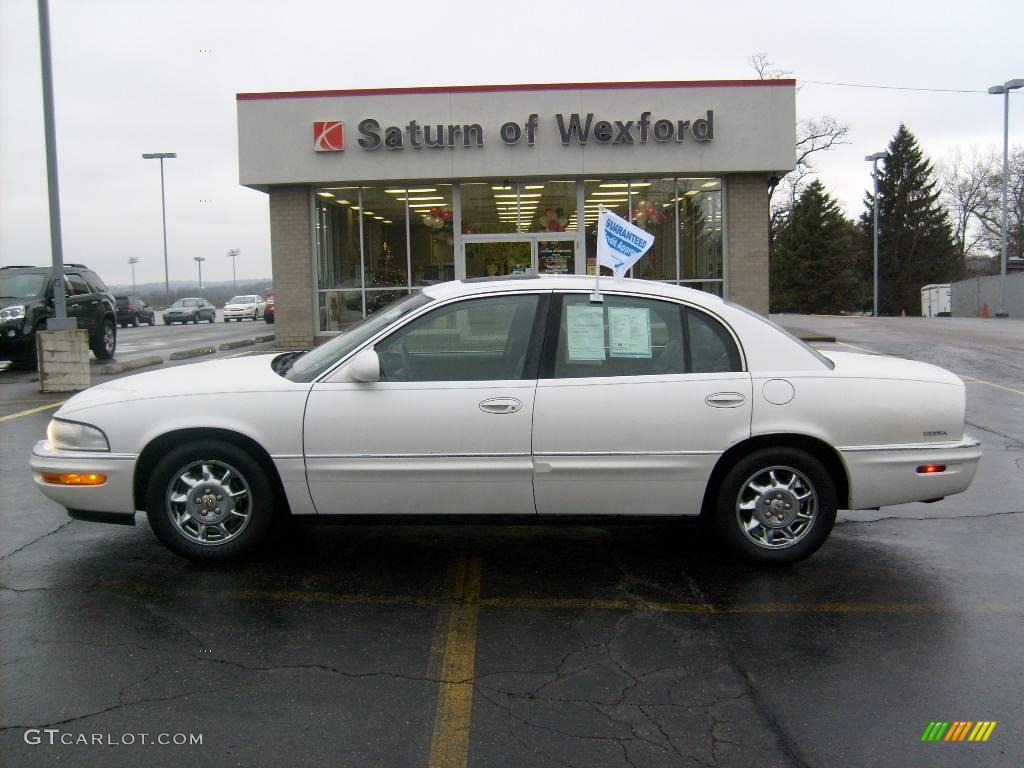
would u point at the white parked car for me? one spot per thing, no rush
(518, 397)
(241, 307)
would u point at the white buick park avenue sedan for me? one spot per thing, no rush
(518, 398)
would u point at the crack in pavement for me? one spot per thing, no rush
(60, 527)
(929, 519)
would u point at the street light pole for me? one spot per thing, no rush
(233, 254)
(133, 261)
(199, 260)
(1005, 89)
(161, 156)
(874, 175)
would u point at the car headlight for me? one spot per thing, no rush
(12, 313)
(73, 436)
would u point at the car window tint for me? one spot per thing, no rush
(711, 348)
(619, 336)
(94, 280)
(78, 285)
(474, 340)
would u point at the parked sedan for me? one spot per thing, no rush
(518, 398)
(131, 310)
(190, 310)
(242, 307)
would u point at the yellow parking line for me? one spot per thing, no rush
(30, 411)
(974, 380)
(449, 747)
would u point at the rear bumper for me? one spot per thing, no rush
(885, 475)
(116, 496)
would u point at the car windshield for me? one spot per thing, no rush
(22, 285)
(316, 361)
(187, 303)
(242, 300)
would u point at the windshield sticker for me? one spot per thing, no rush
(629, 332)
(586, 332)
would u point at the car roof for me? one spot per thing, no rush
(526, 283)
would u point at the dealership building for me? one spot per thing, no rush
(377, 193)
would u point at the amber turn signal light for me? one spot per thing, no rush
(931, 469)
(73, 478)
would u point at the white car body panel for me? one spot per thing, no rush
(602, 443)
(419, 448)
(575, 445)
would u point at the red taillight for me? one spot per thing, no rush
(931, 469)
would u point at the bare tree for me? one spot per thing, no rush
(991, 216)
(814, 135)
(967, 182)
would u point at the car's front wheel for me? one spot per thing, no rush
(776, 506)
(209, 501)
(106, 341)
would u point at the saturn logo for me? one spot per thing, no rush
(329, 136)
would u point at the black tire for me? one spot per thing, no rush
(256, 503)
(195, 319)
(227, 319)
(798, 501)
(105, 343)
(166, 321)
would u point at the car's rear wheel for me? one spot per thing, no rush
(209, 501)
(776, 506)
(106, 341)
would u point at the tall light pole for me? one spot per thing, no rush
(161, 156)
(233, 254)
(1005, 89)
(874, 175)
(133, 261)
(199, 260)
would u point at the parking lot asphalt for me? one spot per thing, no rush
(574, 645)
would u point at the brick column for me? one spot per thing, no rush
(747, 228)
(291, 250)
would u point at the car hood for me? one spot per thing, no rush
(229, 376)
(859, 365)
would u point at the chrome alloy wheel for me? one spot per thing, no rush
(209, 502)
(777, 507)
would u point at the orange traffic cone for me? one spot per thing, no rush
(984, 310)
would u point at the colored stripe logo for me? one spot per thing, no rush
(958, 730)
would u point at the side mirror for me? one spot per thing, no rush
(364, 367)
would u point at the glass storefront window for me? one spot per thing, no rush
(375, 243)
(432, 233)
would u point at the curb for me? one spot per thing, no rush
(128, 365)
(263, 339)
(187, 353)
(236, 344)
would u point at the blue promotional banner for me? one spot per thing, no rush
(619, 243)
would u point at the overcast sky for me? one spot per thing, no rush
(131, 77)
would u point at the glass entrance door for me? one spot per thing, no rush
(494, 258)
(530, 254)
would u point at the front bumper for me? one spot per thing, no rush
(15, 343)
(115, 497)
(884, 475)
(239, 313)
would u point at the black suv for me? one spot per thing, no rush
(131, 309)
(26, 300)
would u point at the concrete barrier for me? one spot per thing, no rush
(107, 369)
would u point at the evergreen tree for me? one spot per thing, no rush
(915, 237)
(814, 257)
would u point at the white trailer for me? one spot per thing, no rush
(935, 301)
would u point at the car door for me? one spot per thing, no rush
(81, 303)
(637, 399)
(446, 430)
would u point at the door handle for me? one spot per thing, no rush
(725, 400)
(501, 405)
